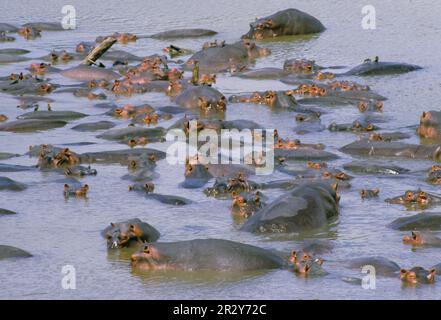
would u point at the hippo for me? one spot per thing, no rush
(225, 187)
(27, 86)
(45, 26)
(417, 275)
(120, 55)
(268, 73)
(80, 171)
(129, 233)
(421, 221)
(53, 115)
(94, 126)
(246, 204)
(183, 33)
(434, 175)
(419, 239)
(307, 207)
(375, 68)
(6, 212)
(369, 193)
(141, 174)
(16, 51)
(196, 176)
(284, 23)
(29, 33)
(395, 149)
(306, 153)
(377, 168)
(205, 255)
(7, 252)
(132, 132)
(310, 268)
(308, 123)
(383, 266)
(416, 199)
(78, 192)
(11, 185)
(202, 97)
(120, 156)
(89, 73)
(222, 58)
(147, 190)
(430, 125)
(356, 126)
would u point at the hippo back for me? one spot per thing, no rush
(307, 207)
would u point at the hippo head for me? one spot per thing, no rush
(262, 29)
(119, 235)
(414, 239)
(430, 122)
(149, 258)
(417, 275)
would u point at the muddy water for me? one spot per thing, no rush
(60, 232)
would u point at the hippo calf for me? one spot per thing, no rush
(205, 255)
(129, 233)
(307, 207)
(284, 23)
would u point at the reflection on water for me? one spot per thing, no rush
(60, 232)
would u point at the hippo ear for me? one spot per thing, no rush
(403, 273)
(112, 225)
(432, 273)
(132, 227)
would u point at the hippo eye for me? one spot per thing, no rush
(108, 236)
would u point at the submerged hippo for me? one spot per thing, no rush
(378, 168)
(45, 26)
(396, 149)
(284, 23)
(374, 68)
(205, 255)
(94, 126)
(53, 115)
(419, 239)
(430, 125)
(11, 185)
(420, 221)
(416, 199)
(147, 190)
(183, 33)
(7, 252)
(129, 233)
(307, 207)
(89, 73)
(202, 97)
(417, 275)
(222, 58)
(383, 266)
